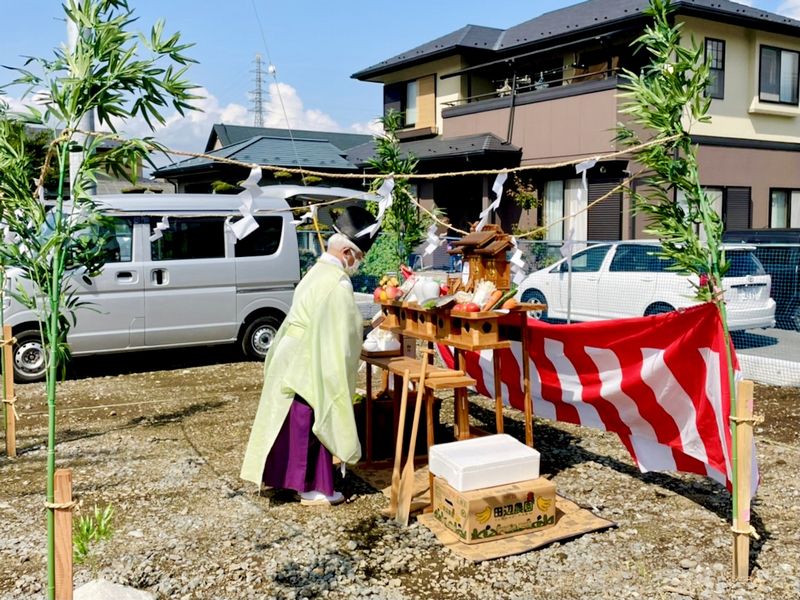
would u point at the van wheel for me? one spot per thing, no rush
(259, 335)
(658, 308)
(29, 357)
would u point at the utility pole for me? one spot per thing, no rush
(257, 95)
(86, 124)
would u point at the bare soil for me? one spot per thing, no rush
(160, 436)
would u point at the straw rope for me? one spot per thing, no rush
(11, 402)
(119, 405)
(71, 505)
(755, 419)
(748, 530)
(423, 176)
(67, 134)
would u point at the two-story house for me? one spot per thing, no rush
(546, 91)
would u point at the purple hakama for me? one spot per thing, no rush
(297, 460)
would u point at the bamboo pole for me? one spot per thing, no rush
(743, 431)
(63, 497)
(8, 393)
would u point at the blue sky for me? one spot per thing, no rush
(315, 45)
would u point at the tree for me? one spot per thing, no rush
(402, 224)
(119, 76)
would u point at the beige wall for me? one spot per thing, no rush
(549, 131)
(740, 114)
(447, 90)
(756, 169)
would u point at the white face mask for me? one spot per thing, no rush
(352, 269)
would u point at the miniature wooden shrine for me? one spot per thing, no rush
(484, 258)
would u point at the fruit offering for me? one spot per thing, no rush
(389, 289)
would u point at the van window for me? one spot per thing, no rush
(189, 238)
(119, 240)
(263, 241)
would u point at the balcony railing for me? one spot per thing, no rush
(524, 85)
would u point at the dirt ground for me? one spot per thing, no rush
(161, 436)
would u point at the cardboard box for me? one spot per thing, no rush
(494, 513)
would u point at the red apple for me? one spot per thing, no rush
(471, 307)
(376, 295)
(392, 292)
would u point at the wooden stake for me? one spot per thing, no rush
(744, 447)
(526, 376)
(63, 495)
(8, 383)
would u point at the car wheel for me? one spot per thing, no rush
(658, 308)
(29, 357)
(259, 335)
(535, 297)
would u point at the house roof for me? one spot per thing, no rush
(583, 17)
(440, 147)
(233, 134)
(474, 37)
(266, 150)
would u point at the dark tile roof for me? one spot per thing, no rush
(593, 13)
(265, 150)
(583, 17)
(233, 134)
(474, 37)
(439, 147)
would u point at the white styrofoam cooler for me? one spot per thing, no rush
(483, 462)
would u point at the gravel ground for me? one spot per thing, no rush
(187, 527)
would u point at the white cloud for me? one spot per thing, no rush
(790, 8)
(372, 127)
(190, 132)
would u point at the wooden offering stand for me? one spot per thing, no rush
(464, 332)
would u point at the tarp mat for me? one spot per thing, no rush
(571, 520)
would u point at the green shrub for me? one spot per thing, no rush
(90, 529)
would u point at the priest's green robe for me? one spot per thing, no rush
(315, 354)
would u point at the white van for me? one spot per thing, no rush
(195, 285)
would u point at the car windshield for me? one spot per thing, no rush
(743, 263)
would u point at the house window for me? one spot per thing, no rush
(778, 75)
(715, 55)
(402, 97)
(732, 204)
(784, 208)
(412, 90)
(561, 199)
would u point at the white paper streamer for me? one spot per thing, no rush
(160, 228)
(244, 227)
(497, 188)
(247, 224)
(567, 249)
(434, 241)
(306, 217)
(385, 192)
(517, 263)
